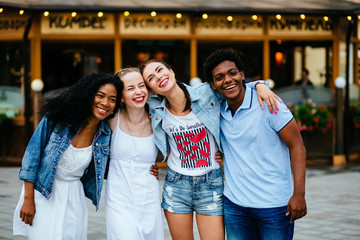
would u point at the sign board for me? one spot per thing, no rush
(12, 23)
(161, 24)
(220, 26)
(83, 24)
(295, 26)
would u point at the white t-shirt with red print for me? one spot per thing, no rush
(192, 146)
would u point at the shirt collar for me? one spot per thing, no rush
(247, 102)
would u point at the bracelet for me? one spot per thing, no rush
(258, 83)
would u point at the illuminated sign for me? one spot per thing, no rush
(315, 26)
(12, 24)
(64, 23)
(161, 24)
(220, 25)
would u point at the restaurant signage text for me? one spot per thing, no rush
(315, 26)
(64, 23)
(239, 25)
(161, 24)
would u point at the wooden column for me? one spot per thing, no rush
(35, 50)
(117, 45)
(193, 58)
(266, 50)
(266, 59)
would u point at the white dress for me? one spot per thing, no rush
(132, 194)
(64, 216)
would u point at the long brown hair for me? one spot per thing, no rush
(180, 84)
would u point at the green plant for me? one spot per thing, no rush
(312, 117)
(354, 114)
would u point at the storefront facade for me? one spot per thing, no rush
(66, 45)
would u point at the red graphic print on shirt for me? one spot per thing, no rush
(194, 148)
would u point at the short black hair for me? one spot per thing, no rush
(306, 71)
(218, 57)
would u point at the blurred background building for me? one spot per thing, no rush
(56, 42)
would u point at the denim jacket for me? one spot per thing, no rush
(205, 103)
(47, 145)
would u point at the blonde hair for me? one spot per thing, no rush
(125, 71)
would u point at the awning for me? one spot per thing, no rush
(328, 7)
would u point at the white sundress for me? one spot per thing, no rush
(132, 194)
(64, 216)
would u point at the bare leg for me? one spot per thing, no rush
(211, 227)
(180, 225)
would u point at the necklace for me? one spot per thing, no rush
(127, 125)
(175, 109)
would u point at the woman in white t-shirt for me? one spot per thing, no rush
(186, 120)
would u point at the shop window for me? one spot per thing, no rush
(174, 52)
(288, 59)
(11, 79)
(65, 64)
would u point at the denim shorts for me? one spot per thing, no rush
(202, 194)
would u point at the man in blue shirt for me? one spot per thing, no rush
(264, 157)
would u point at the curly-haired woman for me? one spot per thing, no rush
(65, 160)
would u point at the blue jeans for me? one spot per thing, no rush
(242, 223)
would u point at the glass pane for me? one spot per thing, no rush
(175, 53)
(65, 64)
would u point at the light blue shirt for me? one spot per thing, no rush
(256, 160)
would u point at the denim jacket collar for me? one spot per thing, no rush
(103, 127)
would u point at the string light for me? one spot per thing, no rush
(100, 14)
(278, 16)
(73, 14)
(229, 18)
(126, 13)
(1, 10)
(21, 12)
(254, 17)
(349, 18)
(178, 15)
(358, 17)
(46, 13)
(326, 18)
(153, 13)
(205, 16)
(302, 16)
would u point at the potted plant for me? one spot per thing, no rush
(315, 123)
(354, 115)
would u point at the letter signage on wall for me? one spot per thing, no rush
(295, 26)
(220, 25)
(12, 24)
(161, 24)
(64, 23)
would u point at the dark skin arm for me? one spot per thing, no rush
(219, 158)
(27, 211)
(154, 170)
(293, 140)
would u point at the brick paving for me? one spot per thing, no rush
(333, 198)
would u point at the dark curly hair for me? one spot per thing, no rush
(180, 84)
(218, 57)
(74, 104)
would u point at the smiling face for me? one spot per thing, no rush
(135, 93)
(228, 81)
(104, 101)
(159, 78)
